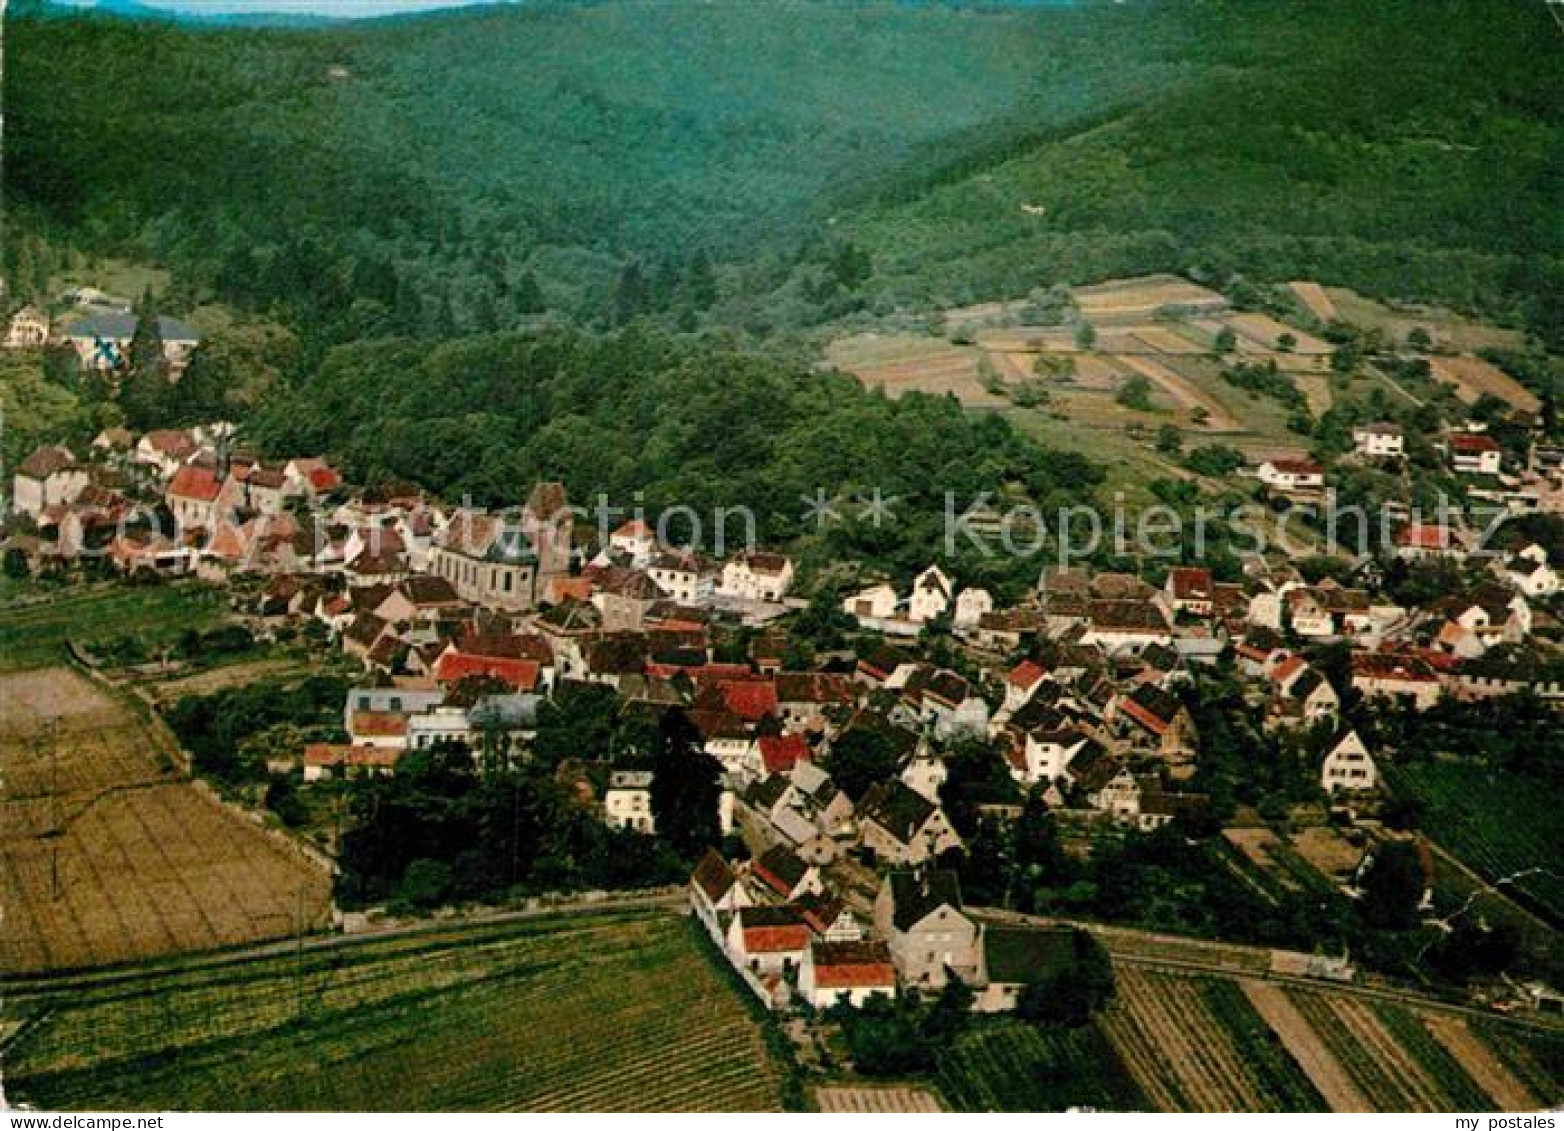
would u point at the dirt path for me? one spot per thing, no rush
(1183, 391)
(1485, 1069)
(1322, 1069)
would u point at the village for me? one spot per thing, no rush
(465, 622)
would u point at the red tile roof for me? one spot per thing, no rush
(1423, 536)
(379, 724)
(520, 674)
(852, 965)
(1025, 674)
(340, 754)
(191, 482)
(1473, 443)
(776, 940)
(781, 752)
(752, 700)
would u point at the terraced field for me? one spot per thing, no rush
(606, 1012)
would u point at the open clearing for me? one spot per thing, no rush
(905, 363)
(620, 1011)
(110, 855)
(1472, 377)
(1313, 296)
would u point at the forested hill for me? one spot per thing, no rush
(466, 171)
(1410, 148)
(452, 161)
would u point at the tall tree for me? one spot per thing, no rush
(685, 789)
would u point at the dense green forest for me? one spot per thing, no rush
(472, 171)
(643, 415)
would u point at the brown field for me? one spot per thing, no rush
(1472, 377)
(1448, 329)
(1140, 298)
(1305, 1046)
(1263, 330)
(110, 855)
(1183, 392)
(1327, 851)
(1162, 339)
(1313, 296)
(876, 1100)
(219, 679)
(911, 363)
(1177, 1050)
(1316, 391)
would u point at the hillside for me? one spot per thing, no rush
(467, 171)
(1406, 149)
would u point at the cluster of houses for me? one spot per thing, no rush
(99, 331)
(796, 942)
(1470, 452)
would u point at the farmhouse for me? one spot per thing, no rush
(1384, 675)
(28, 329)
(931, 595)
(1348, 767)
(1292, 476)
(715, 893)
(768, 939)
(49, 477)
(901, 826)
(1380, 440)
(1474, 453)
(324, 761)
(931, 938)
(627, 803)
(757, 576)
(846, 972)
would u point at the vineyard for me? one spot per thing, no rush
(1011, 1066)
(34, 634)
(111, 856)
(1497, 822)
(1196, 1043)
(614, 1011)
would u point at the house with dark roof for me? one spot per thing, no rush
(102, 340)
(785, 874)
(1156, 716)
(715, 894)
(921, 917)
(1012, 958)
(901, 826)
(49, 477)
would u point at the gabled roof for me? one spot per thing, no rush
(520, 674)
(191, 482)
(773, 930)
(914, 895)
(46, 461)
(781, 869)
(898, 809)
(1025, 674)
(1190, 583)
(119, 327)
(713, 876)
(852, 965)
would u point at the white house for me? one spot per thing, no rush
(972, 605)
(47, 478)
(757, 576)
(877, 602)
(28, 329)
(1292, 475)
(1380, 440)
(627, 803)
(1348, 766)
(931, 595)
(636, 540)
(1474, 453)
(102, 340)
(1528, 570)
